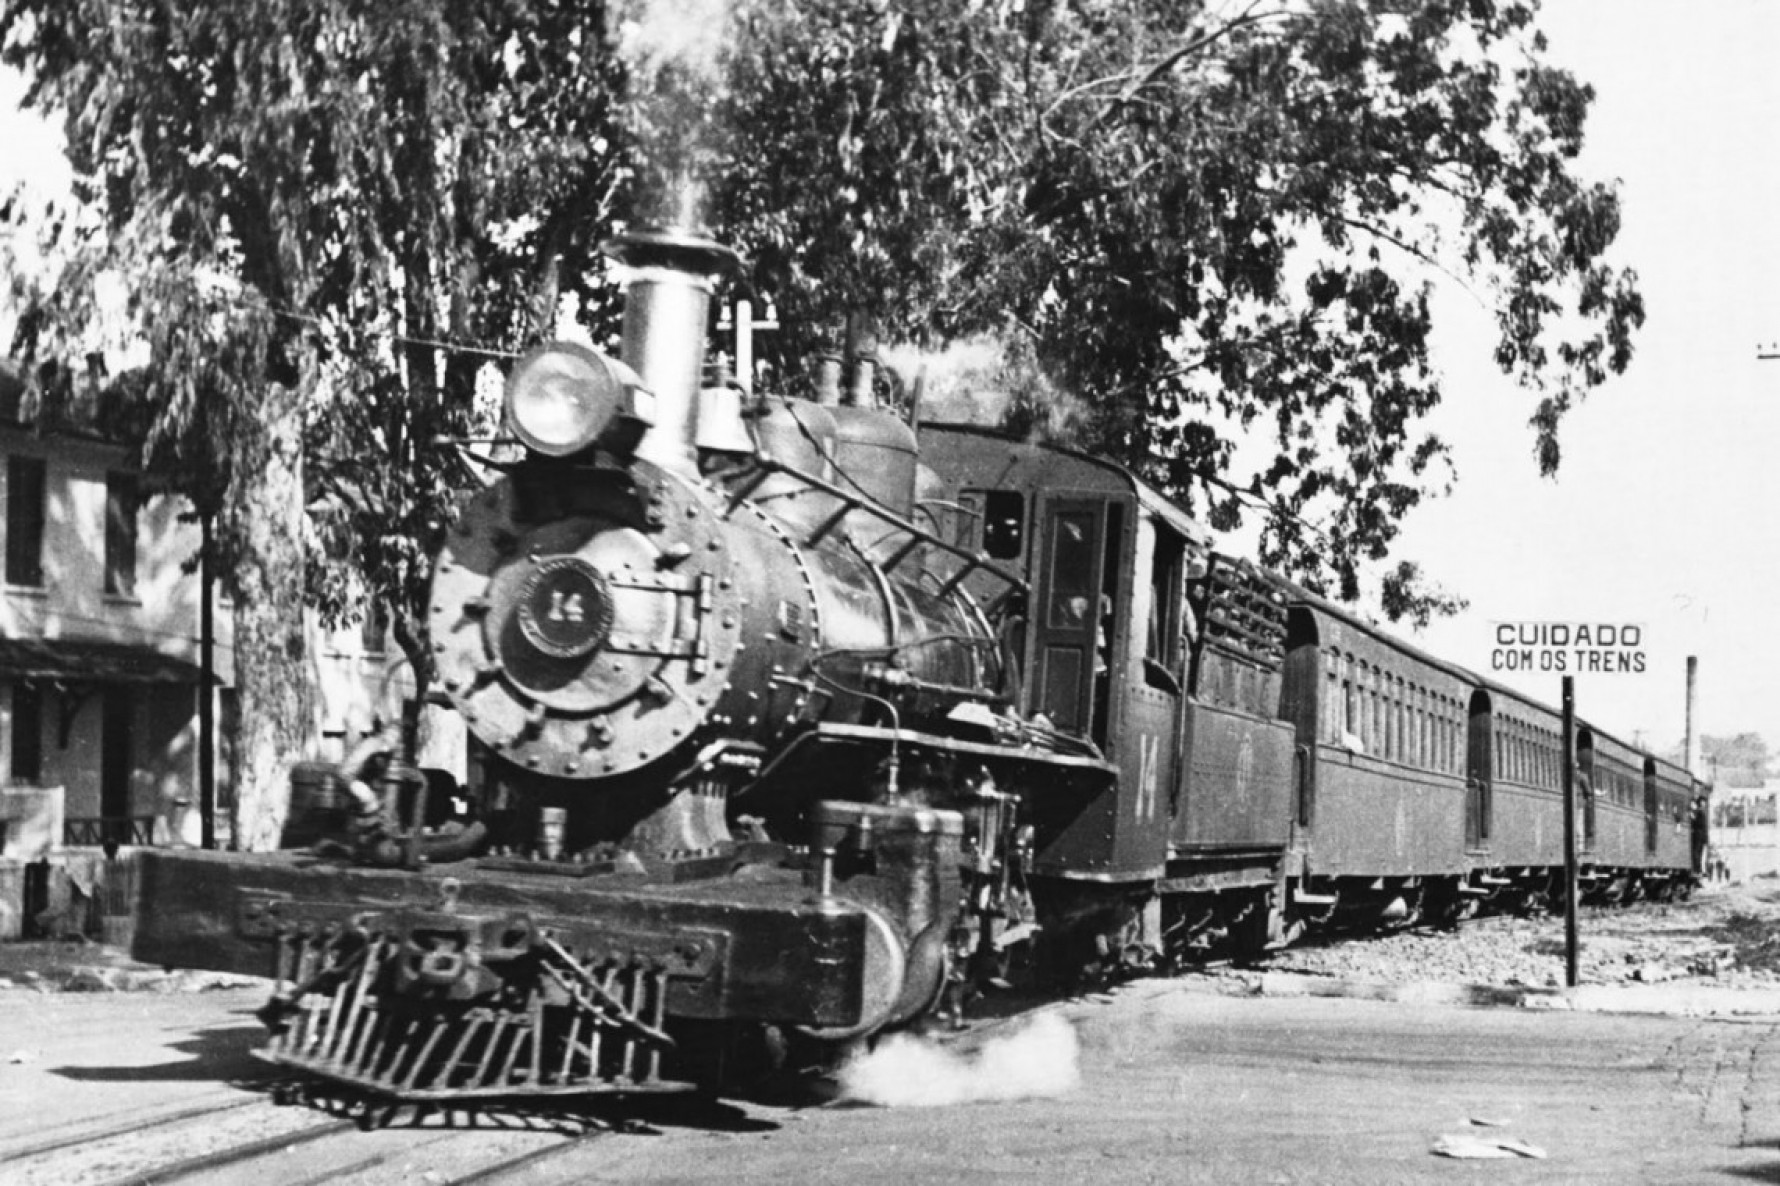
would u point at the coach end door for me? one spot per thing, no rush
(1479, 774)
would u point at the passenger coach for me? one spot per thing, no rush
(1385, 822)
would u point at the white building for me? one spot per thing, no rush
(100, 673)
(99, 620)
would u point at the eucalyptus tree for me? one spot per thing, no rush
(1214, 223)
(326, 216)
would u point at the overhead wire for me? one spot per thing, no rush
(291, 314)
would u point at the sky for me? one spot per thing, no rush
(1662, 513)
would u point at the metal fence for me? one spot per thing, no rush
(110, 832)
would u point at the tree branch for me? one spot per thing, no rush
(1407, 248)
(1248, 18)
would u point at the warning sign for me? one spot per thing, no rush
(1569, 648)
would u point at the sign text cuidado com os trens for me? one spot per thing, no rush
(1570, 648)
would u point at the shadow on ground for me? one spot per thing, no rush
(221, 1054)
(635, 1115)
(225, 1055)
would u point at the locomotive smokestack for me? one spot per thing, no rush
(668, 276)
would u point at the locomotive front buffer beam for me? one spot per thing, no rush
(429, 986)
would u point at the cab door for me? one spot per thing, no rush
(1151, 718)
(1068, 642)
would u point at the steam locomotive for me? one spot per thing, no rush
(800, 727)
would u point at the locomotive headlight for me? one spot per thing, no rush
(563, 396)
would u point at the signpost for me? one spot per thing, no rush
(1572, 878)
(1569, 648)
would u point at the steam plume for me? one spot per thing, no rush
(691, 34)
(676, 49)
(1040, 1060)
(994, 380)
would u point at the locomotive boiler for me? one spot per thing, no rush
(744, 750)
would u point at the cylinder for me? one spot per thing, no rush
(317, 805)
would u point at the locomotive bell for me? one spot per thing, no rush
(667, 277)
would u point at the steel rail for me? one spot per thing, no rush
(234, 1154)
(512, 1165)
(127, 1128)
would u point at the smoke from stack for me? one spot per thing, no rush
(992, 381)
(690, 34)
(676, 51)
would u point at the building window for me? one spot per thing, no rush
(27, 733)
(24, 521)
(121, 503)
(374, 630)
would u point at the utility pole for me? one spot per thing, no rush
(207, 688)
(1572, 873)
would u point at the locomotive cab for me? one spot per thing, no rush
(1136, 641)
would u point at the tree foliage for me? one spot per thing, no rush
(378, 193)
(316, 205)
(1216, 223)
(1739, 761)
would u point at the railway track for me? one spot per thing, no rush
(394, 1151)
(70, 1136)
(233, 1157)
(224, 1140)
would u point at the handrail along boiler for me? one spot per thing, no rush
(799, 729)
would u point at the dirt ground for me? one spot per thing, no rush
(1163, 1081)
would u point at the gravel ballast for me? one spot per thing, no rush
(1729, 936)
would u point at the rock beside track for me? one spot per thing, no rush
(1725, 937)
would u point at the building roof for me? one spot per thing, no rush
(58, 401)
(74, 660)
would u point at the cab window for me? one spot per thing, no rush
(1169, 617)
